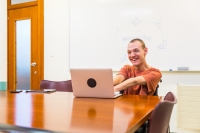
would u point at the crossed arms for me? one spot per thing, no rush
(121, 84)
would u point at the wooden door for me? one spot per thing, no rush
(36, 47)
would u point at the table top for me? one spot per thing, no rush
(62, 112)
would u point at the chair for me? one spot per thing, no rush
(47, 84)
(58, 85)
(160, 117)
(156, 91)
(64, 86)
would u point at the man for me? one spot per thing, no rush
(140, 78)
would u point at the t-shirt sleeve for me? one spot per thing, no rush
(152, 79)
(124, 71)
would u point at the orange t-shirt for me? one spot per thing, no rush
(152, 77)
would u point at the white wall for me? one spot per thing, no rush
(56, 39)
(3, 40)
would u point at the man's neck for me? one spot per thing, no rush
(143, 67)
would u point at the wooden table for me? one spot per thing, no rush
(61, 112)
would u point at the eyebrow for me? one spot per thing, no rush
(132, 49)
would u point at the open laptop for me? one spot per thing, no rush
(95, 82)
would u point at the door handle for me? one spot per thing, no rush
(33, 64)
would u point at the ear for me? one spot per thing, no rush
(145, 51)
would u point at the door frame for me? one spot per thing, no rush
(40, 37)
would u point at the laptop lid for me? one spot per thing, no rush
(95, 82)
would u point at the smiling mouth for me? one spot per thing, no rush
(134, 59)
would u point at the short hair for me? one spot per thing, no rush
(140, 40)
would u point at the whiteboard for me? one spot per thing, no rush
(100, 31)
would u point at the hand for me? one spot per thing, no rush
(115, 88)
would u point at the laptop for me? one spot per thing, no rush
(95, 83)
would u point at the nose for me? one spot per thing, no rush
(131, 54)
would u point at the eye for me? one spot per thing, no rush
(136, 50)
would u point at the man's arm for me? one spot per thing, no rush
(129, 82)
(118, 79)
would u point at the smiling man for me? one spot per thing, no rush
(140, 78)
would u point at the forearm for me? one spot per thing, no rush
(130, 82)
(124, 85)
(118, 79)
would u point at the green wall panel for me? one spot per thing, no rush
(3, 85)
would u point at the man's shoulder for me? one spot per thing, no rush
(155, 70)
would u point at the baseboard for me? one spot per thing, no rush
(3, 85)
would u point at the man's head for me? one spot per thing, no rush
(137, 52)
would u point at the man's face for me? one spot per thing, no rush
(136, 53)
